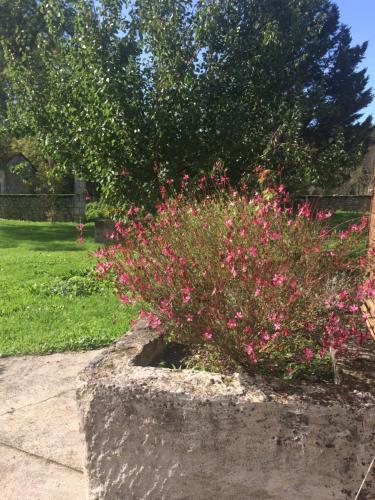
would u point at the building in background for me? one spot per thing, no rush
(12, 182)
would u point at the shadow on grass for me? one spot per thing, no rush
(48, 237)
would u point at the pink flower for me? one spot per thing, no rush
(124, 278)
(353, 308)
(278, 279)
(286, 332)
(208, 335)
(294, 296)
(124, 298)
(265, 336)
(154, 321)
(163, 193)
(103, 267)
(228, 223)
(239, 315)
(344, 235)
(252, 251)
(275, 236)
(250, 352)
(189, 318)
(167, 250)
(233, 272)
(257, 292)
(133, 211)
(329, 303)
(321, 215)
(165, 305)
(231, 323)
(304, 210)
(230, 257)
(309, 353)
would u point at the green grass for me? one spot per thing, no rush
(41, 308)
(341, 220)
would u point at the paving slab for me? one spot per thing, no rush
(40, 446)
(49, 429)
(25, 380)
(25, 477)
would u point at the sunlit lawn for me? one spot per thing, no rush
(36, 318)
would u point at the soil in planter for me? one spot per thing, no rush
(356, 369)
(174, 356)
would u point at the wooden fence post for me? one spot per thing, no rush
(369, 305)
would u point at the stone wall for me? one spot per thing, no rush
(157, 433)
(43, 207)
(350, 203)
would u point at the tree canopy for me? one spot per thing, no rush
(112, 89)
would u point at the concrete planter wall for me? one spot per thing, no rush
(156, 433)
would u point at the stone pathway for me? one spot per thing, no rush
(40, 448)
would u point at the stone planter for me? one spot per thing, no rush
(103, 230)
(156, 433)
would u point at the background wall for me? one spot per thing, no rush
(42, 207)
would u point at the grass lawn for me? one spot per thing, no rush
(341, 220)
(48, 300)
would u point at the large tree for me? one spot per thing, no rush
(117, 87)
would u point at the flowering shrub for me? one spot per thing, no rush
(263, 286)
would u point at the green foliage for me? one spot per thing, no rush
(111, 89)
(75, 284)
(99, 210)
(49, 300)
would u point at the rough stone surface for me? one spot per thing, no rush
(43, 207)
(351, 203)
(157, 433)
(40, 445)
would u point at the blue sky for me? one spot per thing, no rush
(359, 15)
